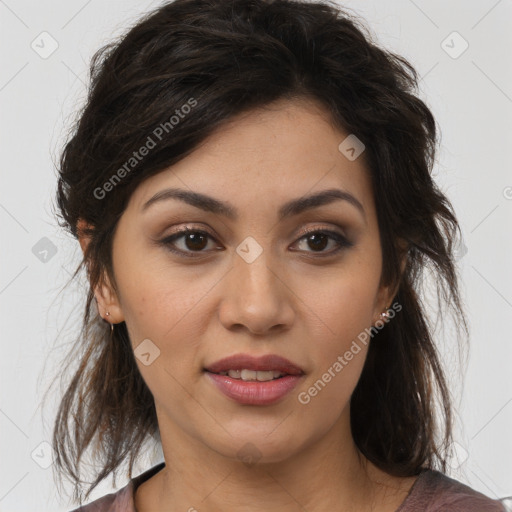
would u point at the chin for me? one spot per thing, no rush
(258, 448)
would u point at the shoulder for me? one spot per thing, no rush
(434, 491)
(120, 501)
(123, 499)
(115, 502)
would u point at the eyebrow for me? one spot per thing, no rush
(289, 209)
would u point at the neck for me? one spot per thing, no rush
(328, 474)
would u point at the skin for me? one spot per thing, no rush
(297, 304)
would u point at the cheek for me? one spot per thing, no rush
(341, 305)
(163, 309)
(155, 299)
(342, 345)
(162, 305)
(340, 350)
(340, 308)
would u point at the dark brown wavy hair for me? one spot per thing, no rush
(231, 56)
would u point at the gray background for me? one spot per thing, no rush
(470, 94)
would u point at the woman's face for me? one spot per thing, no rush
(254, 284)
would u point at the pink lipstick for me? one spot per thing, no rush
(253, 380)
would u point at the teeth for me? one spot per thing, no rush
(251, 375)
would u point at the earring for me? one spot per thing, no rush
(384, 315)
(111, 325)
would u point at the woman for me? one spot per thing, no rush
(250, 185)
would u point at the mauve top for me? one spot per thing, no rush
(431, 492)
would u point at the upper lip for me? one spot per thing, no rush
(269, 362)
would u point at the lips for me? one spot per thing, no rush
(269, 362)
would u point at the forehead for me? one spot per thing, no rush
(287, 149)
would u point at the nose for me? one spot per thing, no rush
(257, 296)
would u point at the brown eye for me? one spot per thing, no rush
(318, 240)
(191, 240)
(195, 241)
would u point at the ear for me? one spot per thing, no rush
(105, 295)
(387, 293)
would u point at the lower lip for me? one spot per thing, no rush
(254, 393)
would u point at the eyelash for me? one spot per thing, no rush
(342, 242)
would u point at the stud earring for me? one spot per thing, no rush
(111, 325)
